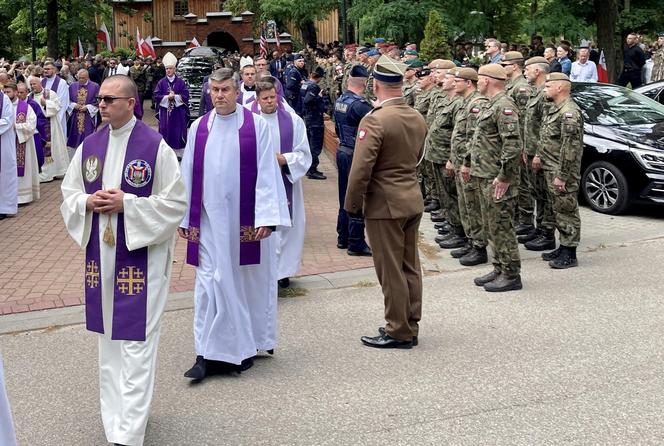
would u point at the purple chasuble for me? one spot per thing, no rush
(80, 122)
(42, 122)
(285, 121)
(130, 288)
(250, 249)
(173, 120)
(21, 117)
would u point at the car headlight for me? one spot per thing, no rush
(650, 159)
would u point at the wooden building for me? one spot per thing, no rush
(174, 23)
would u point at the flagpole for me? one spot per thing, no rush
(32, 30)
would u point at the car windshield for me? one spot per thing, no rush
(605, 104)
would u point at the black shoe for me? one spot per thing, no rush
(476, 256)
(542, 243)
(480, 281)
(199, 370)
(439, 218)
(385, 341)
(342, 245)
(524, 229)
(433, 206)
(441, 225)
(504, 283)
(284, 283)
(528, 236)
(366, 252)
(456, 241)
(3, 216)
(460, 252)
(270, 351)
(442, 237)
(566, 258)
(316, 176)
(551, 255)
(381, 331)
(445, 229)
(246, 364)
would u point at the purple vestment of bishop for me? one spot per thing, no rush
(173, 120)
(81, 123)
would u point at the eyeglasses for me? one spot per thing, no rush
(110, 99)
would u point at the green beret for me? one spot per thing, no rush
(536, 59)
(411, 53)
(494, 71)
(557, 77)
(415, 63)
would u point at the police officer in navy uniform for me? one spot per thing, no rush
(313, 105)
(349, 110)
(295, 76)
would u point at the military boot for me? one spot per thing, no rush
(445, 229)
(522, 229)
(476, 256)
(441, 225)
(504, 283)
(437, 217)
(433, 206)
(551, 255)
(542, 243)
(455, 239)
(460, 252)
(528, 236)
(480, 281)
(566, 258)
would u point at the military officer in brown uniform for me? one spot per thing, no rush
(383, 186)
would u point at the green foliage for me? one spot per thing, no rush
(128, 53)
(396, 20)
(434, 45)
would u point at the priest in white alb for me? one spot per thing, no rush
(8, 173)
(247, 93)
(51, 81)
(27, 166)
(123, 200)
(236, 200)
(56, 157)
(289, 139)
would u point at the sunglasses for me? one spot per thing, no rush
(110, 99)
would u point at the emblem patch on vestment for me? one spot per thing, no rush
(361, 134)
(138, 173)
(92, 168)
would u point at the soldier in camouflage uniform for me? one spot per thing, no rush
(424, 91)
(372, 58)
(560, 150)
(470, 210)
(518, 89)
(542, 236)
(410, 81)
(441, 140)
(137, 74)
(495, 153)
(349, 61)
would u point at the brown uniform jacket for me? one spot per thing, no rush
(383, 177)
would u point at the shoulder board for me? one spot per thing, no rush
(508, 111)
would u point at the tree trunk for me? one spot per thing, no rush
(309, 36)
(52, 28)
(606, 20)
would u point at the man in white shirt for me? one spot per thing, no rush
(583, 70)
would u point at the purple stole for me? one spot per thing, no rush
(47, 127)
(54, 86)
(285, 145)
(130, 289)
(21, 117)
(250, 249)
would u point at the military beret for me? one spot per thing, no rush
(362, 50)
(660, 34)
(319, 72)
(373, 53)
(358, 71)
(298, 57)
(557, 77)
(536, 59)
(379, 40)
(466, 73)
(511, 57)
(423, 72)
(494, 71)
(414, 63)
(389, 70)
(441, 64)
(410, 53)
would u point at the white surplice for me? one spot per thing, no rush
(8, 174)
(247, 96)
(235, 306)
(127, 368)
(63, 96)
(57, 165)
(291, 240)
(7, 435)
(28, 184)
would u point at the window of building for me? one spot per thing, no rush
(180, 8)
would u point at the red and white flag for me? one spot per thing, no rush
(104, 36)
(194, 43)
(602, 72)
(139, 43)
(81, 53)
(263, 46)
(148, 49)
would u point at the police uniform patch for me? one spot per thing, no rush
(92, 168)
(138, 173)
(361, 134)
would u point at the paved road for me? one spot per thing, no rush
(573, 358)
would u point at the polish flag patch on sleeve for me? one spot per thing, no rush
(361, 134)
(508, 112)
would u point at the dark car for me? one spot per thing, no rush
(623, 155)
(654, 90)
(195, 64)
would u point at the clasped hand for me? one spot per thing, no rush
(106, 201)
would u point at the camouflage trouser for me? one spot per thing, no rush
(525, 202)
(539, 190)
(499, 219)
(566, 210)
(425, 177)
(447, 195)
(470, 210)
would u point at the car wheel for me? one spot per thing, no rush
(605, 188)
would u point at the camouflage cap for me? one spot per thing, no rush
(494, 71)
(441, 64)
(536, 59)
(466, 73)
(511, 57)
(557, 77)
